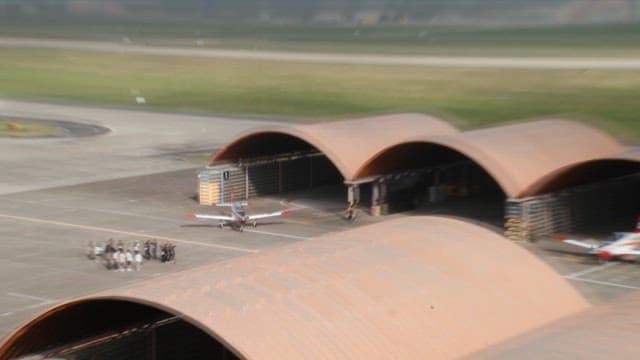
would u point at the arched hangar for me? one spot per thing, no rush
(546, 177)
(287, 158)
(399, 162)
(402, 289)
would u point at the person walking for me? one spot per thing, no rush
(129, 260)
(138, 260)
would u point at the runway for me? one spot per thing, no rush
(572, 63)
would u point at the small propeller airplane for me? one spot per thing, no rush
(238, 218)
(625, 245)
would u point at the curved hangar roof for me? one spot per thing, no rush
(411, 288)
(347, 143)
(591, 171)
(516, 156)
(608, 331)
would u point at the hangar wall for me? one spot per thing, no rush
(405, 289)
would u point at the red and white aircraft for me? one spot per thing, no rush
(238, 218)
(625, 245)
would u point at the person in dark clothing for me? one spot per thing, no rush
(109, 251)
(147, 250)
(154, 249)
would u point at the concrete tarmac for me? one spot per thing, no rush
(57, 194)
(139, 142)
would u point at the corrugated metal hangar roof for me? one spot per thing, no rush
(517, 156)
(411, 288)
(609, 331)
(347, 143)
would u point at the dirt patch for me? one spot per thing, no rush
(59, 128)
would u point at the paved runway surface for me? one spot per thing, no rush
(369, 59)
(140, 142)
(56, 195)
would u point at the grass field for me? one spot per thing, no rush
(469, 97)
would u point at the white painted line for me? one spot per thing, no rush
(25, 308)
(121, 232)
(278, 234)
(605, 283)
(106, 211)
(29, 297)
(591, 270)
(129, 214)
(41, 302)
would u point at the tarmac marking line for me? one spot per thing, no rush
(605, 283)
(25, 308)
(130, 233)
(29, 297)
(278, 234)
(591, 270)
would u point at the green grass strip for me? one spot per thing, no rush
(471, 97)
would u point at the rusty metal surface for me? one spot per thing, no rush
(348, 144)
(605, 332)
(518, 155)
(410, 288)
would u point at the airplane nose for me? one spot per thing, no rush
(605, 255)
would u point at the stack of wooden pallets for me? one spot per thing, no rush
(208, 188)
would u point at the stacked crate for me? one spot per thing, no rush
(541, 216)
(209, 187)
(515, 226)
(516, 229)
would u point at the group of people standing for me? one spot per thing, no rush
(121, 257)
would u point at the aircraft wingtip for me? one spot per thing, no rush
(190, 215)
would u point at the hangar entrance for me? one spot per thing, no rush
(274, 174)
(595, 199)
(112, 329)
(431, 179)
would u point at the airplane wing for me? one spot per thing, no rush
(628, 249)
(262, 216)
(209, 217)
(584, 244)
